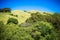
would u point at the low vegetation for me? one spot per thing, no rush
(23, 25)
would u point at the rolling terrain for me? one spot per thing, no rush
(22, 16)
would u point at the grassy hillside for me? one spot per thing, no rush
(22, 16)
(29, 25)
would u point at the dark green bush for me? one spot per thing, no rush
(12, 20)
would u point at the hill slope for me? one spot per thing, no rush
(22, 16)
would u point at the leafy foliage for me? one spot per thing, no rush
(5, 10)
(54, 19)
(36, 17)
(45, 29)
(14, 32)
(51, 18)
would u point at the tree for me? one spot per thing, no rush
(1, 10)
(54, 19)
(6, 10)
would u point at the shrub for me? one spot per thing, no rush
(12, 20)
(45, 29)
(14, 32)
(38, 31)
(36, 35)
(36, 17)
